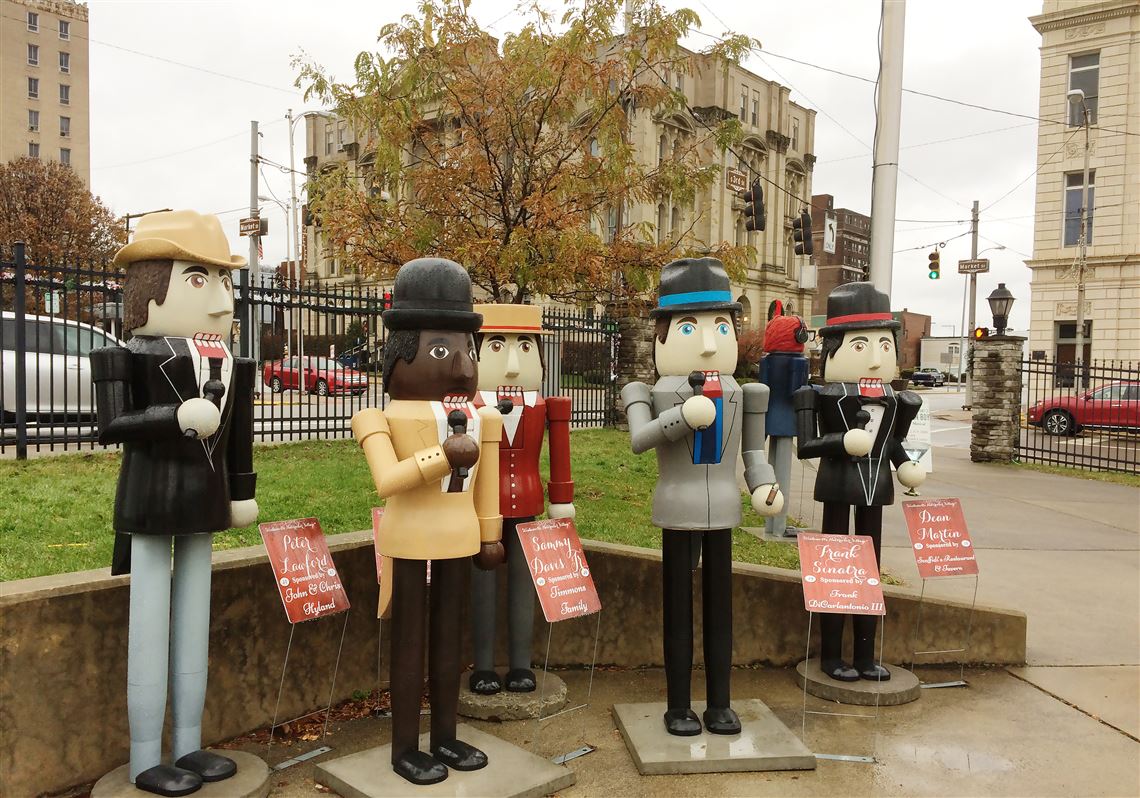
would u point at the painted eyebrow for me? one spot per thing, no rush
(497, 338)
(862, 338)
(196, 270)
(886, 338)
(439, 340)
(691, 319)
(719, 319)
(526, 338)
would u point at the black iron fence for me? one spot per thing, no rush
(318, 348)
(1086, 417)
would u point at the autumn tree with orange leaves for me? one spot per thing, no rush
(47, 205)
(513, 157)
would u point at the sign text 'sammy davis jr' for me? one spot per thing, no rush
(303, 568)
(558, 567)
(938, 537)
(839, 574)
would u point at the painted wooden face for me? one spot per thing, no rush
(508, 359)
(701, 341)
(199, 299)
(444, 365)
(864, 353)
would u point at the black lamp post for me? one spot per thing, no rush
(1001, 300)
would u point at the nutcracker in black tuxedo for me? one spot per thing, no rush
(182, 407)
(855, 424)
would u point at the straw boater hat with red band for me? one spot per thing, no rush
(512, 319)
(858, 306)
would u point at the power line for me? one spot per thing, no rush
(182, 152)
(936, 141)
(939, 244)
(1004, 246)
(1043, 164)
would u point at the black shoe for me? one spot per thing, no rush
(839, 670)
(419, 768)
(874, 673)
(168, 780)
(208, 765)
(459, 755)
(721, 720)
(682, 722)
(485, 682)
(520, 680)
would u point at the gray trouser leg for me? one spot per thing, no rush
(189, 640)
(780, 458)
(520, 598)
(147, 648)
(483, 597)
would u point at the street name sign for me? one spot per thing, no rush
(735, 180)
(250, 226)
(974, 266)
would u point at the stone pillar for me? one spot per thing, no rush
(635, 347)
(997, 399)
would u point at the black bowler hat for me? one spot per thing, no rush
(432, 294)
(858, 306)
(694, 284)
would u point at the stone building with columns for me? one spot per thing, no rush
(778, 144)
(1094, 47)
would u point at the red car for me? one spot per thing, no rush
(322, 376)
(1116, 405)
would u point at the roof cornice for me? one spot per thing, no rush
(1073, 17)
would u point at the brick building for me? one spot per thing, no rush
(851, 260)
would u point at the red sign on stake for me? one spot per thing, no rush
(558, 568)
(839, 574)
(306, 577)
(939, 539)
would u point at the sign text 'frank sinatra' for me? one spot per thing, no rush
(839, 574)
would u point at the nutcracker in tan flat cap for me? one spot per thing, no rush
(510, 377)
(434, 457)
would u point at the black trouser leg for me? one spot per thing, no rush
(520, 598)
(677, 607)
(409, 597)
(868, 521)
(836, 521)
(716, 586)
(448, 591)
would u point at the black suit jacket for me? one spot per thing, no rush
(170, 484)
(825, 413)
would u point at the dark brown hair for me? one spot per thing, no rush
(146, 280)
(663, 323)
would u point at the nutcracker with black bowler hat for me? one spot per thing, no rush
(182, 406)
(855, 423)
(784, 369)
(701, 423)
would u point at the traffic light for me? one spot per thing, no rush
(981, 333)
(754, 207)
(801, 233)
(387, 303)
(935, 265)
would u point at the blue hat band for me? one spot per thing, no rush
(692, 297)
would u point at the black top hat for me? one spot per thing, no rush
(858, 306)
(694, 284)
(432, 294)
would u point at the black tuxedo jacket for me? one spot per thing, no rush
(170, 484)
(824, 413)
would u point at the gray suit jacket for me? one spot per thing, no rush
(690, 496)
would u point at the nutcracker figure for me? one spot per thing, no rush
(510, 378)
(434, 456)
(784, 369)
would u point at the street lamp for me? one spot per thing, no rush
(293, 183)
(1077, 98)
(1001, 300)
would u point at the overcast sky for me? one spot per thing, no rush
(177, 134)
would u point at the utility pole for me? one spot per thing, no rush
(1082, 261)
(246, 314)
(972, 305)
(886, 165)
(295, 232)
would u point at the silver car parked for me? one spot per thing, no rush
(57, 363)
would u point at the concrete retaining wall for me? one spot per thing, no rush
(63, 643)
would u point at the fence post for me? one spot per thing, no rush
(996, 427)
(20, 312)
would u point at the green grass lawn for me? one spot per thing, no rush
(57, 511)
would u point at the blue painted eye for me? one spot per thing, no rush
(722, 328)
(688, 329)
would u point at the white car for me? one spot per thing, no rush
(57, 363)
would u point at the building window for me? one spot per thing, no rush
(680, 81)
(65, 126)
(1074, 198)
(33, 55)
(662, 145)
(743, 103)
(64, 94)
(796, 134)
(611, 224)
(33, 88)
(64, 29)
(340, 128)
(33, 149)
(661, 224)
(33, 22)
(65, 62)
(34, 121)
(328, 139)
(675, 223)
(65, 156)
(1084, 74)
(755, 109)
(595, 148)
